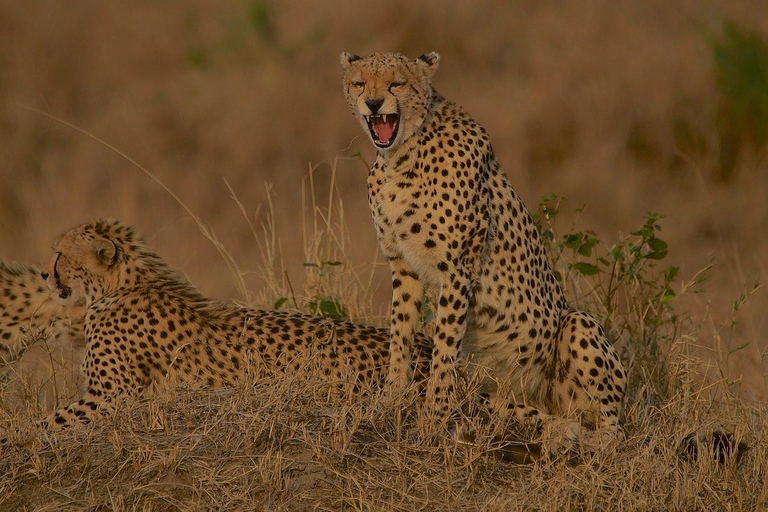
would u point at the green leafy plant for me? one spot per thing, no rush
(261, 20)
(626, 284)
(329, 307)
(427, 313)
(741, 69)
(323, 304)
(320, 304)
(197, 56)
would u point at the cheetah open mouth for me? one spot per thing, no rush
(383, 128)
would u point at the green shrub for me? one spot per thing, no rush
(628, 287)
(741, 68)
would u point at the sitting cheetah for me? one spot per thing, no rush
(145, 324)
(28, 309)
(450, 224)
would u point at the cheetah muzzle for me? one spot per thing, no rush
(63, 292)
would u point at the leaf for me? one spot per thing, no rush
(429, 315)
(586, 247)
(581, 242)
(331, 308)
(309, 264)
(332, 263)
(657, 244)
(280, 302)
(616, 253)
(328, 306)
(671, 273)
(585, 269)
(573, 240)
(656, 255)
(740, 347)
(551, 212)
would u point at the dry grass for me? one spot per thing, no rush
(288, 444)
(293, 443)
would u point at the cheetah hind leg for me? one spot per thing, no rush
(555, 438)
(589, 379)
(558, 435)
(586, 392)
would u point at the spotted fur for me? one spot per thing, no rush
(450, 224)
(28, 310)
(146, 325)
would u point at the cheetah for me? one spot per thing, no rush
(146, 325)
(450, 225)
(28, 309)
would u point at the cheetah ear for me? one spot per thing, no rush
(428, 63)
(105, 251)
(347, 59)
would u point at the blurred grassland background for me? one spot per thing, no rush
(623, 108)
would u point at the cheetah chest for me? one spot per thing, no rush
(401, 208)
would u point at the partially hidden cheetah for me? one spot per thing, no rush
(41, 340)
(28, 310)
(449, 223)
(146, 325)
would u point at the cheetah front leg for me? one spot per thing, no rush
(107, 383)
(456, 295)
(407, 296)
(85, 410)
(451, 325)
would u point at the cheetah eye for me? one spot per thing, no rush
(358, 85)
(395, 85)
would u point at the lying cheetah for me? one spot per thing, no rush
(448, 221)
(145, 324)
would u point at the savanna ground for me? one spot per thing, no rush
(237, 108)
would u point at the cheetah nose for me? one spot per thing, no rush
(44, 275)
(374, 105)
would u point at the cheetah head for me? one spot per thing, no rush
(84, 263)
(389, 94)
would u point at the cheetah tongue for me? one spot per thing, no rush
(384, 126)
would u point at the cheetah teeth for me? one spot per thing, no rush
(384, 117)
(383, 128)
